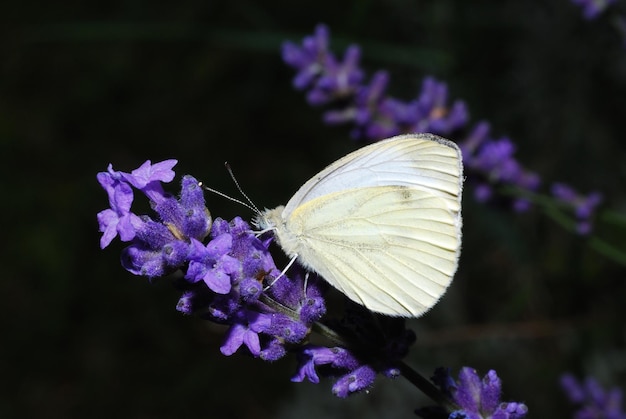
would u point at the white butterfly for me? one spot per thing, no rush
(382, 224)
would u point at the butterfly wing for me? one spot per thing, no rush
(422, 161)
(393, 249)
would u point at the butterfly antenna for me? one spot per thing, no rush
(230, 198)
(232, 176)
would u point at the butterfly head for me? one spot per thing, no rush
(268, 219)
(274, 220)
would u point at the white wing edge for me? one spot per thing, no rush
(393, 144)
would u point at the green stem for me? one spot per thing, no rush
(427, 387)
(608, 250)
(554, 210)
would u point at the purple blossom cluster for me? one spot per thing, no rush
(476, 398)
(375, 115)
(593, 8)
(340, 85)
(492, 162)
(226, 270)
(592, 400)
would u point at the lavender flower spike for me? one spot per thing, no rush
(477, 399)
(341, 85)
(374, 114)
(225, 269)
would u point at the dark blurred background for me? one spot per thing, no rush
(85, 84)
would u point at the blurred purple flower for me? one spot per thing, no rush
(592, 400)
(583, 206)
(593, 8)
(350, 99)
(374, 114)
(491, 162)
(309, 59)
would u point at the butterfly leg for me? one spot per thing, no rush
(284, 271)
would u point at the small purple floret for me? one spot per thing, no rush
(246, 332)
(148, 177)
(118, 219)
(213, 264)
(360, 379)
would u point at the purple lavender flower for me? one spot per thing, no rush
(377, 344)
(212, 263)
(492, 162)
(148, 177)
(159, 247)
(155, 251)
(582, 206)
(246, 329)
(304, 295)
(118, 219)
(312, 356)
(593, 8)
(357, 376)
(339, 80)
(376, 115)
(592, 400)
(309, 59)
(232, 266)
(435, 114)
(319, 70)
(229, 277)
(477, 398)
(381, 116)
(489, 163)
(357, 380)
